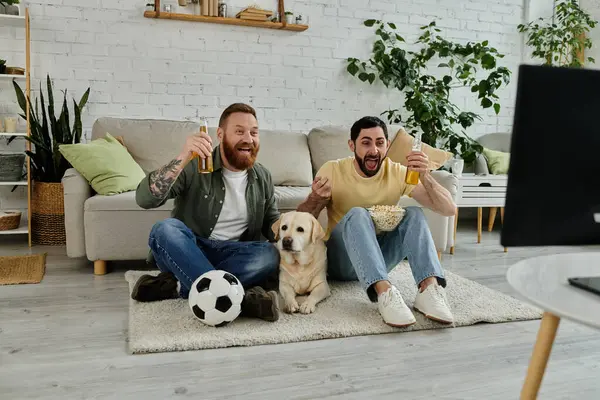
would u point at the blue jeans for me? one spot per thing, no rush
(355, 252)
(178, 250)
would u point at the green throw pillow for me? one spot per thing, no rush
(106, 164)
(497, 161)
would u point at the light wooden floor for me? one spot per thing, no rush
(66, 339)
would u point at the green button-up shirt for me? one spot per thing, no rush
(199, 199)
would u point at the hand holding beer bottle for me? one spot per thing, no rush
(412, 175)
(200, 145)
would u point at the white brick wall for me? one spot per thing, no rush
(593, 8)
(137, 67)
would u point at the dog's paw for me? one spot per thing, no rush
(307, 307)
(291, 306)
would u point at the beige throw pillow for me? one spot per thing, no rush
(401, 146)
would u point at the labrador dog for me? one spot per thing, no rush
(303, 265)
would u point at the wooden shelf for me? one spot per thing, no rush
(24, 21)
(14, 183)
(226, 21)
(12, 76)
(13, 134)
(12, 20)
(23, 228)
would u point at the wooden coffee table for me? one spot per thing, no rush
(543, 281)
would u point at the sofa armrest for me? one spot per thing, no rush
(448, 181)
(451, 183)
(76, 191)
(480, 166)
(441, 227)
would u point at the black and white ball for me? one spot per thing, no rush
(216, 298)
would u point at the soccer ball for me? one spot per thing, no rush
(216, 297)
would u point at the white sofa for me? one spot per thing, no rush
(106, 228)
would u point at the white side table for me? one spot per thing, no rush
(481, 191)
(543, 281)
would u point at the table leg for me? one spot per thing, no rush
(455, 225)
(502, 221)
(492, 218)
(540, 356)
(479, 218)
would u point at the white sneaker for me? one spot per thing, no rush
(432, 302)
(394, 310)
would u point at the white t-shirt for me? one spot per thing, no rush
(233, 220)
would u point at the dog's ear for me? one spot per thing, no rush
(317, 231)
(275, 227)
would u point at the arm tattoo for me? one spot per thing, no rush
(163, 178)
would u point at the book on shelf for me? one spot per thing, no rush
(254, 14)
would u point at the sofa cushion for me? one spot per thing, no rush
(497, 161)
(401, 147)
(499, 141)
(285, 154)
(154, 142)
(119, 202)
(151, 142)
(330, 142)
(105, 164)
(289, 197)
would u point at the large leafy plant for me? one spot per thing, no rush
(560, 40)
(49, 132)
(426, 96)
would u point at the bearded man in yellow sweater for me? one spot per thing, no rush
(346, 187)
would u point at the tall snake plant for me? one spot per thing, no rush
(48, 132)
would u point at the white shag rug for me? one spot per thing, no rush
(169, 325)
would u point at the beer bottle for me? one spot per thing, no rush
(205, 165)
(412, 177)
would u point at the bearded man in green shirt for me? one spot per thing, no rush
(218, 217)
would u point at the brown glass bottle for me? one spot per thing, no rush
(205, 165)
(412, 177)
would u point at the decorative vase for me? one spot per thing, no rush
(12, 10)
(10, 124)
(458, 166)
(48, 214)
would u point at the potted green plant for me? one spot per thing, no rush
(9, 7)
(289, 17)
(47, 165)
(427, 96)
(561, 40)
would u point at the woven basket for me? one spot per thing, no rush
(48, 214)
(11, 166)
(9, 221)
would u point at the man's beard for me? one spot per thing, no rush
(238, 158)
(374, 162)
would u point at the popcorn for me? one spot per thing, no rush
(386, 218)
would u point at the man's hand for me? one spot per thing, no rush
(318, 198)
(418, 161)
(197, 144)
(322, 187)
